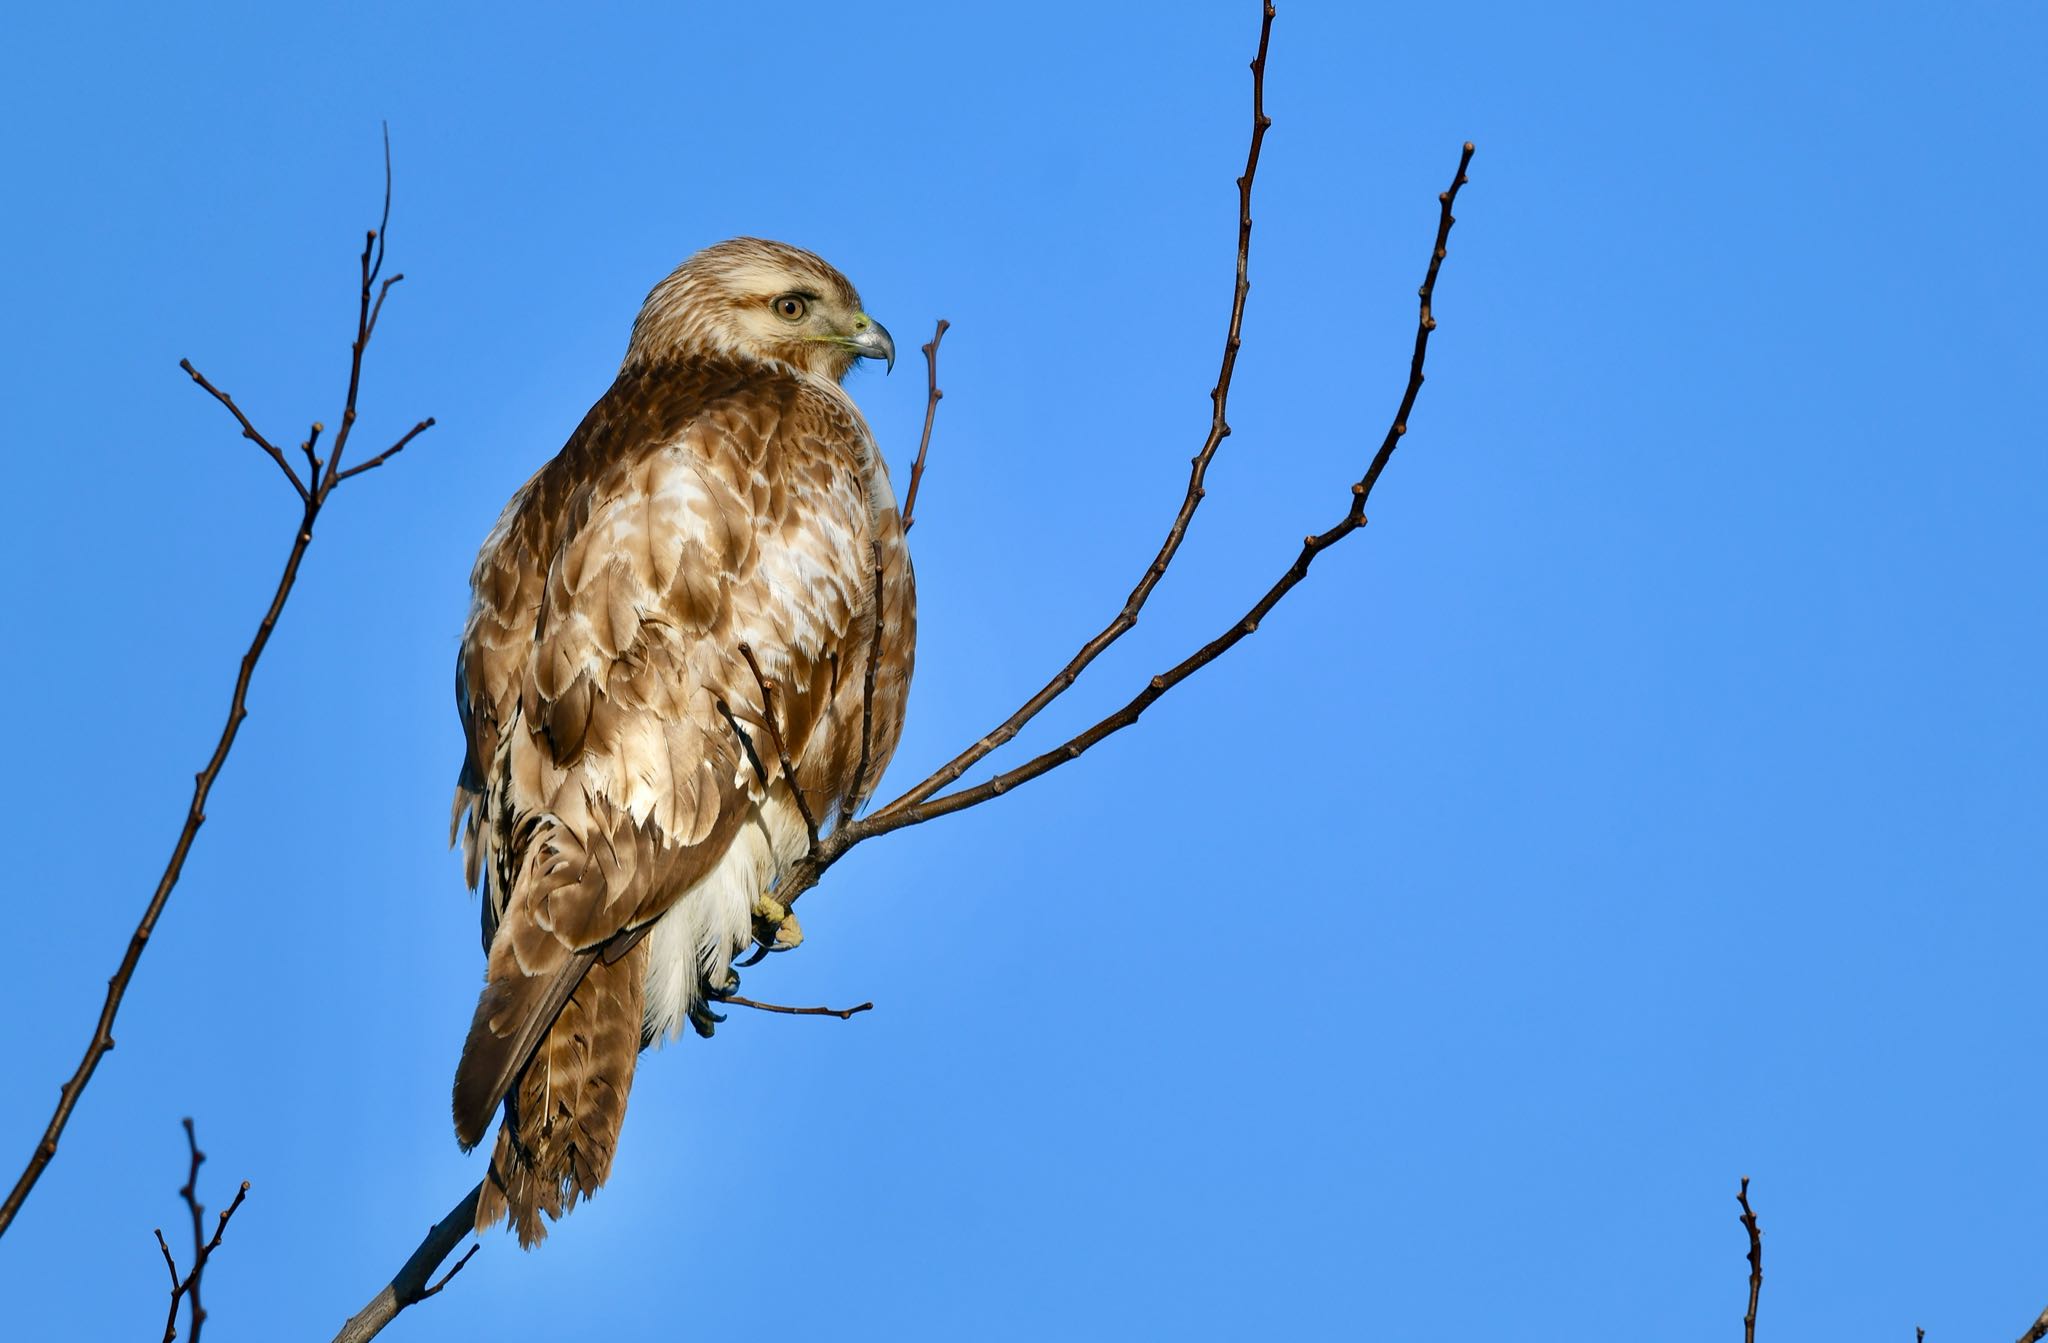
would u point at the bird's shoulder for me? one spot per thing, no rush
(753, 431)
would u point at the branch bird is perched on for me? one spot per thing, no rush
(723, 497)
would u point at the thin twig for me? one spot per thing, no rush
(313, 495)
(1756, 1261)
(177, 1287)
(310, 447)
(932, 397)
(1219, 429)
(897, 815)
(843, 1013)
(2037, 1331)
(411, 1284)
(190, 1193)
(390, 452)
(454, 1269)
(249, 431)
(377, 308)
(186, 1289)
(775, 739)
(365, 319)
(918, 805)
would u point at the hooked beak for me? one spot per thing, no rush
(871, 340)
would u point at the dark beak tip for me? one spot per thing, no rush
(874, 342)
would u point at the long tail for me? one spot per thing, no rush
(562, 1115)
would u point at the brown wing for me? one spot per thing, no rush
(695, 509)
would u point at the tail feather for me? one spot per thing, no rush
(513, 1015)
(563, 1114)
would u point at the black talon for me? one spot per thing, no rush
(704, 1021)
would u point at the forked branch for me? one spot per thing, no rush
(415, 1281)
(1198, 470)
(313, 491)
(902, 812)
(927, 799)
(186, 1289)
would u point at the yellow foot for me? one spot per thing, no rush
(775, 928)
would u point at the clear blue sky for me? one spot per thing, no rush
(1653, 795)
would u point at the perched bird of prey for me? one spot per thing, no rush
(621, 804)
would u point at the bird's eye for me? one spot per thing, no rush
(790, 307)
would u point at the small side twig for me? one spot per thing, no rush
(932, 397)
(414, 1281)
(453, 1269)
(186, 1289)
(1756, 1260)
(843, 1013)
(252, 433)
(373, 463)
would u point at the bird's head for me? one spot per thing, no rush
(765, 300)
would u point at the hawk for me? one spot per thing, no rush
(621, 805)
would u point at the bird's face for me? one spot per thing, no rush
(762, 299)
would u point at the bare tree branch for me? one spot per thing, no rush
(2035, 1332)
(250, 432)
(843, 1013)
(932, 397)
(411, 1285)
(896, 815)
(313, 495)
(917, 806)
(1756, 1260)
(387, 454)
(924, 801)
(1219, 429)
(186, 1289)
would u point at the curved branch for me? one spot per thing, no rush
(896, 816)
(917, 805)
(1198, 470)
